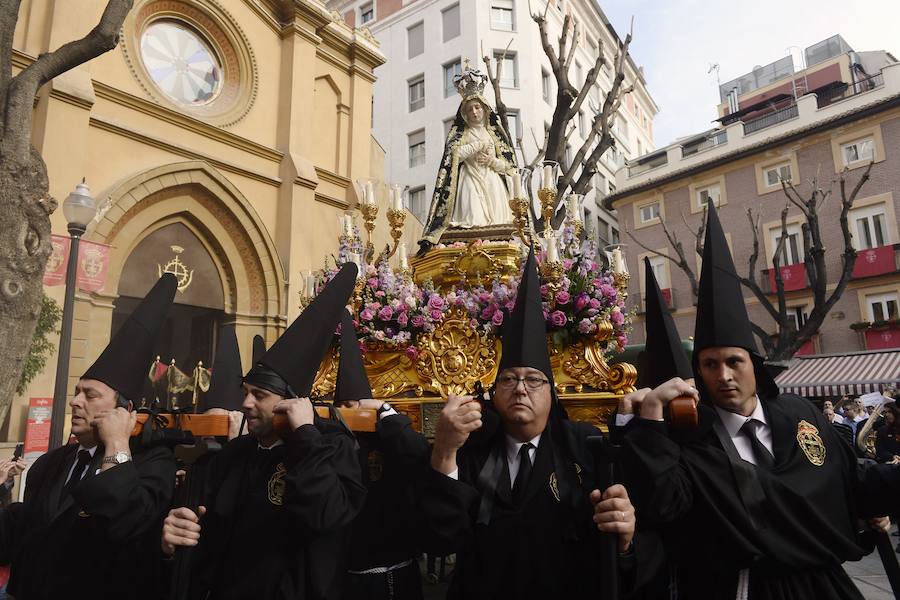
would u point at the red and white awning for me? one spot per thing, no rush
(838, 374)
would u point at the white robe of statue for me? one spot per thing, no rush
(481, 196)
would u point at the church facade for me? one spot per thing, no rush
(223, 140)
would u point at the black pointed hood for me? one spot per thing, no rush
(123, 364)
(722, 318)
(352, 382)
(295, 357)
(524, 334)
(664, 356)
(225, 388)
(259, 348)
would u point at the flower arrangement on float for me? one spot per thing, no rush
(392, 309)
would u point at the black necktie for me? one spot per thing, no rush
(81, 464)
(524, 473)
(764, 458)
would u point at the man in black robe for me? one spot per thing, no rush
(273, 520)
(384, 541)
(763, 494)
(88, 527)
(511, 486)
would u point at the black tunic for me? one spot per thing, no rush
(528, 552)
(101, 541)
(383, 533)
(276, 521)
(792, 527)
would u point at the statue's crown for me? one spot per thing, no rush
(470, 81)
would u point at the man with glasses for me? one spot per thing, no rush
(511, 489)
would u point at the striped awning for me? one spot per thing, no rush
(838, 374)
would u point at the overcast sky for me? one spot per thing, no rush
(677, 40)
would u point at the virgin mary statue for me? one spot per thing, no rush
(471, 189)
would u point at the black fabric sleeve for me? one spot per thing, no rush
(447, 509)
(403, 446)
(878, 492)
(324, 482)
(657, 483)
(129, 498)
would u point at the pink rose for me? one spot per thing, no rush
(617, 318)
(488, 311)
(373, 282)
(567, 263)
(595, 304)
(435, 302)
(581, 302)
(436, 315)
(563, 297)
(402, 319)
(366, 315)
(497, 319)
(418, 321)
(386, 313)
(379, 294)
(557, 318)
(411, 353)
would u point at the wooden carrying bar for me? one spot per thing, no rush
(357, 419)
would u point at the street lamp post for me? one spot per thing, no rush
(79, 209)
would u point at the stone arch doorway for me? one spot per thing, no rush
(237, 275)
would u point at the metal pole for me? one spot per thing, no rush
(60, 391)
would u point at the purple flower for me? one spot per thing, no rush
(386, 313)
(497, 318)
(617, 318)
(379, 294)
(418, 321)
(412, 353)
(580, 302)
(402, 319)
(563, 297)
(607, 290)
(595, 304)
(366, 314)
(567, 263)
(488, 311)
(558, 318)
(435, 302)
(373, 282)
(436, 315)
(585, 326)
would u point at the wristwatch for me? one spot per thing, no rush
(117, 459)
(383, 408)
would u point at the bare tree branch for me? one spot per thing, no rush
(16, 144)
(9, 12)
(494, 77)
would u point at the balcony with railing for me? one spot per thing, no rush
(773, 118)
(872, 262)
(844, 91)
(710, 140)
(793, 277)
(645, 163)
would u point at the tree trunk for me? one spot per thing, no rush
(24, 250)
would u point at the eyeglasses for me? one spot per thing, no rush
(510, 382)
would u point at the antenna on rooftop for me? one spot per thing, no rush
(714, 67)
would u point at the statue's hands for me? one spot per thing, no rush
(482, 159)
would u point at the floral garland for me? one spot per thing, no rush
(394, 309)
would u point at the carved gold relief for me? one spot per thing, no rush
(454, 356)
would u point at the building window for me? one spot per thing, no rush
(545, 85)
(613, 235)
(502, 16)
(451, 70)
(415, 39)
(509, 73)
(868, 227)
(858, 150)
(709, 192)
(797, 317)
(650, 212)
(882, 306)
(599, 183)
(366, 13)
(579, 75)
(450, 22)
(181, 63)
(775, 174)
(658, 266)
(417, 148)
(417, 93)
(582, 127)
(417, 205)
(791, 252)
(612, 188)
(512, 119)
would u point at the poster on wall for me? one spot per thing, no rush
(37, 428)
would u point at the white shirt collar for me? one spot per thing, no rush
(90, 450)
(513, 445)
(733, 421)
(277, 443)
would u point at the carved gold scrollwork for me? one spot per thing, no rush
(390, 374)
(455, 355)
(326, 378)
(597, 415)
(585, 364)
(476, 265)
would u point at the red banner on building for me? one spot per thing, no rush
(37, 428)
(93, 264)
(55, 271)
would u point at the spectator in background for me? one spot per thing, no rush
(9, 469)
(835, 417)
(887, 442)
